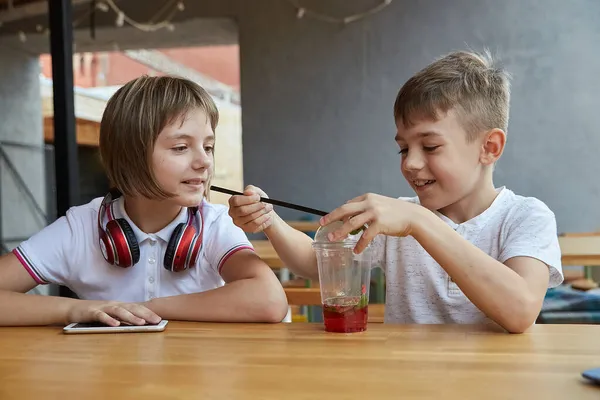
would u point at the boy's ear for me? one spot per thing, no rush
(492, 146)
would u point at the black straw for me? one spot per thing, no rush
(273, 201)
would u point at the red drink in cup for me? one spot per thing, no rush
(345, 314)
(344, 281)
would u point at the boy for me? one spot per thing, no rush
(462, 251)
(153, 247)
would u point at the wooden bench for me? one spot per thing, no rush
(577, 249)
(304, 226)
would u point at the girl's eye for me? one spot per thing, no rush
(208, 149)
(179, 149)
(403, 151)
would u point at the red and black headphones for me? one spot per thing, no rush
(120, 247)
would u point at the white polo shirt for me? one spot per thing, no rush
(67, 253)
(420, 291)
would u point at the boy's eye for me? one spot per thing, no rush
(208, 149)
(403, 151)
(430, 148)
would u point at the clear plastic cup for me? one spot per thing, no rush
(344, 279)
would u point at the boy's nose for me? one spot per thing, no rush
(413, 162)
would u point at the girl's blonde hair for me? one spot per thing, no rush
(134, 117)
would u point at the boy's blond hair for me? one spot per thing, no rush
(465, 82)
(134, 117)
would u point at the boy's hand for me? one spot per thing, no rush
(381, 214)
(248, 212)
(111, 313)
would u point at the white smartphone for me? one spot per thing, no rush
(99, 327)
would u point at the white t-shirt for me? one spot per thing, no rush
(67, 253)
(420, 291)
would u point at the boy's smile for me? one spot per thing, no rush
(421, 185)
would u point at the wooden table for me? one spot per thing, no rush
(584, 250)
(300, 361)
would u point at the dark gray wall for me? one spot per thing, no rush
(317, 98)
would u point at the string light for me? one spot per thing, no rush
(303, 11)
(102, 7)
(179, 6)
(122, 18)
(146, 27)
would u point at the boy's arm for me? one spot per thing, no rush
(20, 309)
(252, 294)
(511, 294)
(293, 247)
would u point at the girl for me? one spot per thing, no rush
(153, 247)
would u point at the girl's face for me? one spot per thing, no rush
(183, 158)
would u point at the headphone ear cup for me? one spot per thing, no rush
(131, 240)
(126, 248)
(195, 249)
(178, 254)
(107, 247)
(172, 247)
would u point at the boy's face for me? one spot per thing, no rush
(438, 162)
(183, 158)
